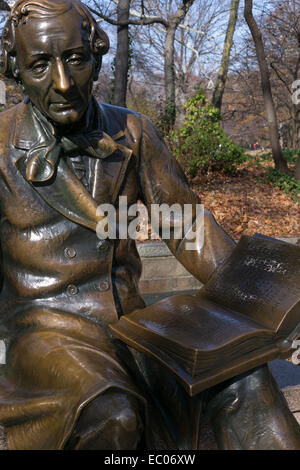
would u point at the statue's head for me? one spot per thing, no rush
(54, 49)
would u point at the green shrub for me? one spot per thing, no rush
(201, 144)
(286, 183)
(291, 155)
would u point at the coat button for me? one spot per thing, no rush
(72, 289)
(104, 285)
(70, 253)
(103, 246)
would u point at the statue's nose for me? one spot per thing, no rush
(61, 78)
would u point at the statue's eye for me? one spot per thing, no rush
(75, 59)
(39, 67)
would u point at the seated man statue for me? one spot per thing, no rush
(67, 384)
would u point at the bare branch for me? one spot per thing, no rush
(143, 21)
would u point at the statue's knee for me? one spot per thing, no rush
(112, 421)
(254, 388)
(225, 403)
(126, 427)
(257, 387)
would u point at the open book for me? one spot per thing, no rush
(248, 313)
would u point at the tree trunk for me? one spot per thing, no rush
(122, 55)
(181, 98)
(223, 72)
(280, 162)
(169, 70)
(169, 75)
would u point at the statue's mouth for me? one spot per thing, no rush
(64, 105)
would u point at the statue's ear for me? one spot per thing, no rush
(16, 72)
(14, 67)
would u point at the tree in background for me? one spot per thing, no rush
(223, 72)
(122, 54)
(282, 32)
(196, 49)
(169, 67)
(280, 162)
(170, 23)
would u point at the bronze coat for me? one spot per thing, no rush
(60, 287)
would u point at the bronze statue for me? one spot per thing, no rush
(67, 384)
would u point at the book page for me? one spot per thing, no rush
(193, 323)
(260, 279)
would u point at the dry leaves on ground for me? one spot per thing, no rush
(241, 205)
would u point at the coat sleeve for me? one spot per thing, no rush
(202, 244)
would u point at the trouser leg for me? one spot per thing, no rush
(111, 421)
(250, 412)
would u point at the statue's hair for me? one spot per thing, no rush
(23, 10)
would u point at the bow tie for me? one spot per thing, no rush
(43, 158)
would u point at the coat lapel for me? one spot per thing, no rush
(65, 193)
(109, 173)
